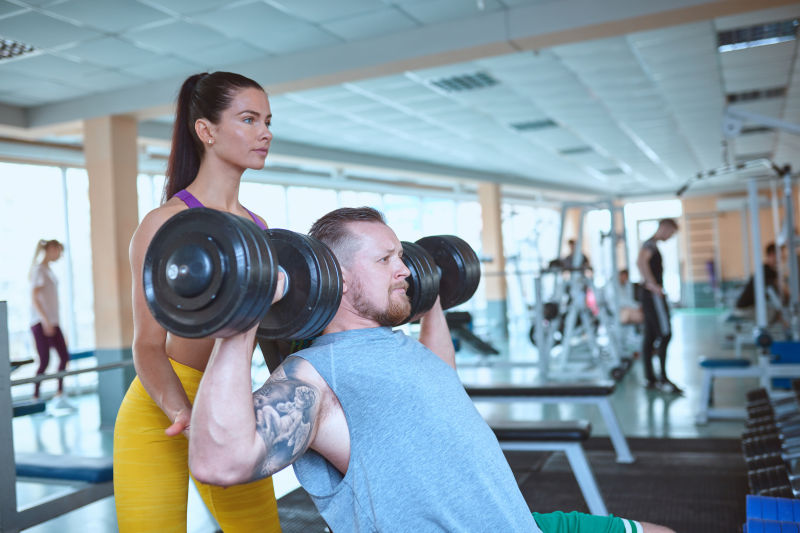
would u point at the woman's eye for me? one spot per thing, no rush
(248, 120)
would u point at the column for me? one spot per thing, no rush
(111, 161)
(492, 244)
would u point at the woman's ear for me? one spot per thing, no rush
(204, 130)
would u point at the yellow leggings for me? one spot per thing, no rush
(151, 473)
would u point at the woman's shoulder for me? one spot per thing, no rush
(156, 218)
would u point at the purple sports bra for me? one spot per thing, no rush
(190, 201)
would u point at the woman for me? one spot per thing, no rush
(44, 314)
(221, 128)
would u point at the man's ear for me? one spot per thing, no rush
(345, 277)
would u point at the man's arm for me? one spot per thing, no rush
(435, 334)
(236, 436)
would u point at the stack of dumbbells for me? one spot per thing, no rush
(771, 448)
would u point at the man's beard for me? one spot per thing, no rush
(393, 315)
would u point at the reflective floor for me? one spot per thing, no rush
(641, 413)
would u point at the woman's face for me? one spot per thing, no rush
(52, 252)
(242, 136)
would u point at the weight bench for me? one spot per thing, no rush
(92, 476)
(593, 392)
(555, 435)
(16, 363)
(765, 370)
(28, 407)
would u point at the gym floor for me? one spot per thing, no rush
(642, 413)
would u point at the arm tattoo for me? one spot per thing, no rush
(286, 409)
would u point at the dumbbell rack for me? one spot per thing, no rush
(771, 449)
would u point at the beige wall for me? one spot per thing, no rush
(731, 240)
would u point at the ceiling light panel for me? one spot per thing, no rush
(12, 49)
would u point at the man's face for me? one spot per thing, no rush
(771, 259)
(376, 275)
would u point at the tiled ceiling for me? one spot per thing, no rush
(606, 97)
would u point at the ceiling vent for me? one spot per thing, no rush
(615, 171)
(758, 94)
(743, 158)
(466, 82)
(758, 35)
(577, 150)
(751, 130)
(9, 48)
(534, 125)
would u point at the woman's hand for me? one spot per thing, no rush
(48, 329)
(279, 287)
(180, 424)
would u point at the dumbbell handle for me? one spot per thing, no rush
(286, 280)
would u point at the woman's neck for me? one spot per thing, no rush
(217, 186)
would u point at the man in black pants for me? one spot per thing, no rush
(657, 331)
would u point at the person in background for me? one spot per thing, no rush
(630, 310)
(747, 298)
(657, 330)
(45, 321)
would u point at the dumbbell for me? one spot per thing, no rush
(211, 273)
(440, 265)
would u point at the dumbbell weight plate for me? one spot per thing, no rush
(423, 282)
(205, 274)
(331, 296)
(314, 287)
(461, 269)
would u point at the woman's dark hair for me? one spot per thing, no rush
(201, 96)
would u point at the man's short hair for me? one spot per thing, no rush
(670, 222)
(770, 249)
(332, 229)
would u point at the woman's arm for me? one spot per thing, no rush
(238, 436)
(435, 334)
(149, 338)
(48, 328)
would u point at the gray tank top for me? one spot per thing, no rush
(422, 458)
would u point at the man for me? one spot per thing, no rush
(569, 259)
(630, 311)
(378, 425)
(747, 298)
(657, 330)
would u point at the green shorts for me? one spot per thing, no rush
(575, 522)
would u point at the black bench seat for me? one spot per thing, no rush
(542, 430)
(551, 388)
(596, 392)
(554, 435)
